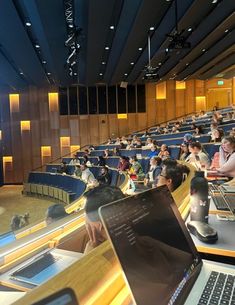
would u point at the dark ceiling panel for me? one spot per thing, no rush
(150, 13)
(17, 44)
(165, 27)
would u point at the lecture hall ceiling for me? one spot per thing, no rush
(36, 54)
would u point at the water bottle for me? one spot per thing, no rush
(199, 199)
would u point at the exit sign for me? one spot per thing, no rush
(220, 82)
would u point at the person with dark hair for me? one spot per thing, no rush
(87, 176)
(217, 135)
(188, 138)
(95, 199)
(227, 157)
(123, 164)
(173, 176)
(78, 171)
(197, 156)
(101, 161)
(153, 152)
(55, 212)
(164, 152)
(63, 168)
(106, 153)
(104, 178)
(116, 151)
(136, 170)
(197, 131)
(19, 221)
(184, 152)
(154, 171)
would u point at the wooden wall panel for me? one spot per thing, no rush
(84, 130)
(190, 104)
(151, 104)
(200, 87)
(113, 125)
(161, 111)
(103, 128)
(170, 101)
(94, 129)
(180, 102)
(123, 126)
(74, 130)
(44, 118)
(142, 120)
(132, 120)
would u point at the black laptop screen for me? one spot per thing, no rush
(152, 244)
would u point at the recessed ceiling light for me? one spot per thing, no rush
(37, 46)
(44, 62)
(125, 74)
(111, 27)
(151, 28)
(48, 73)
(187, 64)
(75, 73)
(190, 29)
(101, 74)
(214, 1)
(159, 63)
(140, 49)
(71, 26)
(226, 31)
(28, 23)
(21, 73)
(203, 50)
(103, 62)
(132, 63)
(106, 48)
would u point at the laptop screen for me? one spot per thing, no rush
(153, 246)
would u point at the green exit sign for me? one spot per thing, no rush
(220, 82)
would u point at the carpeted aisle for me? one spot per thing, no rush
(13, 202)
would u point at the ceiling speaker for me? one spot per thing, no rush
(123, 84)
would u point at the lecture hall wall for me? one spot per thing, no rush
(33, 133)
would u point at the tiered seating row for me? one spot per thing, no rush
(61, 187)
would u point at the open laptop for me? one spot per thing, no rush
(160, 262)
(39, 269)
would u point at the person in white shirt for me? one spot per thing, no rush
(197, 156)
(88, 177)
(74, 161)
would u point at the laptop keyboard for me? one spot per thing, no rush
(219, 290)
(220, 203)
(37, 266)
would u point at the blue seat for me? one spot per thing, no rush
(211, 149)
(114, 177)
(112, 161)
(174, 152)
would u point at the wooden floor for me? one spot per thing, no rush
(13, 202)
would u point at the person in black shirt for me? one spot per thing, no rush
(104, 178)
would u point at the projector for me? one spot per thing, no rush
(150, 74)
(177, 42)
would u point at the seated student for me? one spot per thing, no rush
(172, 176)
(104, 178)
(197, 131)
(227, 157)
(153, 152)
(78, 172)
(106, 153)
(101, 161)
(174, 129)
(153, 172)
(96, 198)
(55, 212)
(63, 168)
(184, 152)
(124, 141)
(138, 144)
(116, 152)
(217, 135)
(88, 177)
(123, 164)
(136, 170)
(148, 144)
(188, 138)
(109, 141)
(164, 153)
(74, 161)
(197, 156)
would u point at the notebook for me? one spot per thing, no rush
(43, 267)
(159, 260)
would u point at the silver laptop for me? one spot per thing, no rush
(41, 268)
(160, 262)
